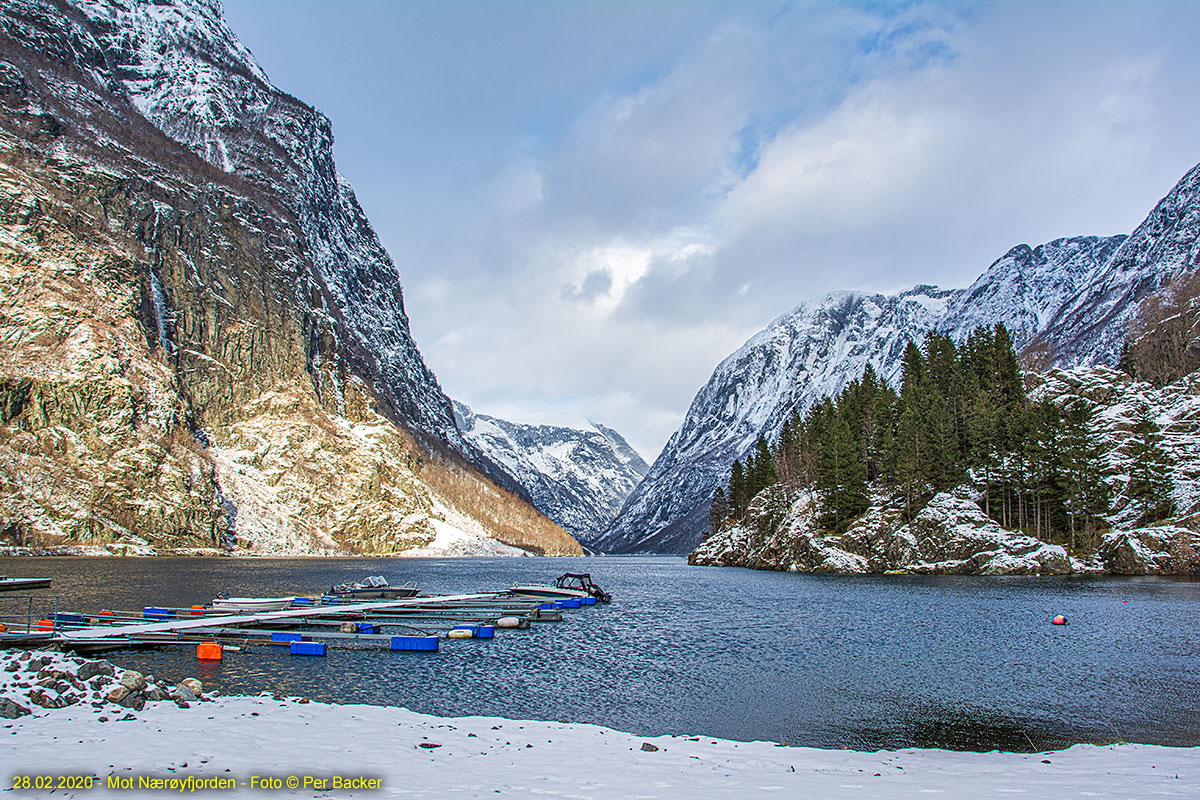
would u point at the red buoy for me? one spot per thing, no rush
(1059, 620)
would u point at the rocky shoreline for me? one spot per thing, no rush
(950, 535)
(32, 680)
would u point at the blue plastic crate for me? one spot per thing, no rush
(152, 611)
(589, 601)
(485, 631)
(414, 643)
(548, 606)
(308, 648)
(302, 601)
(367, 627)
(284, 636)
(572, 603)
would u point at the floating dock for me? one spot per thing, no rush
(309, 627)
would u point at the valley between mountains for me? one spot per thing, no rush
(206, 350)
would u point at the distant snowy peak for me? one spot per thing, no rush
(1073, 298)
(579, 478)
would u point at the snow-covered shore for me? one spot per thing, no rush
(415, 755)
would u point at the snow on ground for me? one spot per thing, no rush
(459, 536)
(416, 755)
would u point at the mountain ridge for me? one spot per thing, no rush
(1069, 299)
(578, 478)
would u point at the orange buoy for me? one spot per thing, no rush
(209, 651)
(1059, 620)
(3, 628)
(107, 613)
(45, 624)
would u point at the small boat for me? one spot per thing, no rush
(22, 584)
(568, 585)
(251, 604)
(375, 587)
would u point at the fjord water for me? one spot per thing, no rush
(866, 662)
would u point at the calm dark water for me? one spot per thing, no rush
(831, 661)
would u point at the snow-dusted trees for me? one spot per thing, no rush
(961, 416)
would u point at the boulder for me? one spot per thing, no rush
(90, 669)
(194, 684)
(116, 694)
(12, 710)
(134, 700)
(133, 680)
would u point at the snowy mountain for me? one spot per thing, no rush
(185, 71)
(206, 345)
(1071, 299)
(579, 478)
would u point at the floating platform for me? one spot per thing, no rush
(309, 626)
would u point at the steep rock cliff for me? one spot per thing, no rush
(205, 344)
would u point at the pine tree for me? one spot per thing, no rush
(719, 510)
(762, 472)
(1085, 493)
(737, 490)
(842, 486)
(1150, 484)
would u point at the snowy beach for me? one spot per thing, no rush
(256, 739)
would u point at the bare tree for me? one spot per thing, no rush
(1164, 337)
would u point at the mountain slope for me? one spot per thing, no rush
(206, 345)
(579, 478)
(1070, 300)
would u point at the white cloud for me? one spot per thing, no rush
(592, 204)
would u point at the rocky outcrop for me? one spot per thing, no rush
(204, 345)
(951, 535)
(1162, 549)
(1117, 404)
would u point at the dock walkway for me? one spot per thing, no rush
(197, 624)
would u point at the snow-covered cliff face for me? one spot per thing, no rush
(579, 478)
(1072, 298)
(185, 71)
(205, 344)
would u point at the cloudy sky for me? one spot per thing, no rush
(592, 203)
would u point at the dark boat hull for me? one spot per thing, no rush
(23, 584)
